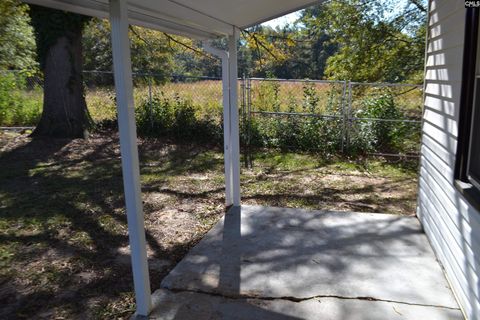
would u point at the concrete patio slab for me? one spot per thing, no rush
(284, 261)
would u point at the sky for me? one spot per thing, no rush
(290, 18)
(283, 20)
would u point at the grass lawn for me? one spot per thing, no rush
(63, 234)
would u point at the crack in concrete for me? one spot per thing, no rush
(298, 300)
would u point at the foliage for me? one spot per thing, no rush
(290, 52)
(358, 40)
(175, 118)
(371, 47)
(97, 49)
(312, 133)
(16, 107)
(152, 52)
(270, 50)
(49, 25)
(178, 118)
(384, 136)
(324, 131)
(17, 46)
(195, 62)
(150, 49)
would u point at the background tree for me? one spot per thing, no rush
(151, 51)
(376, 40)
(17, 49)
(58, 36)
(190, 60)
(358, 40)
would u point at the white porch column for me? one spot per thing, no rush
(234, 127)
(223, 55)
(128, 146)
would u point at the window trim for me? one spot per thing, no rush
(472, 177)
(471, 42)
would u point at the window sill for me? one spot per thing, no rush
(471, 194)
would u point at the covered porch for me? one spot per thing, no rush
(258, 262)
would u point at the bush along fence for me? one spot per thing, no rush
(21, 98)
(300, 115)
(179, 107)
(331, 117)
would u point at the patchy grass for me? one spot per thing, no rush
(63, 233)
(307, 181)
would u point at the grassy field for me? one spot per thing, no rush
(294, 96)
(206, 96)
(63, 234)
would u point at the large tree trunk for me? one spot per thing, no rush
(58, 35)
(64, 109)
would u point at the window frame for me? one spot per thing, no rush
(473, 178)
(463, 182)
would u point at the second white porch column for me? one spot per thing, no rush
(122, 66)
(223, 55)
(234, 126)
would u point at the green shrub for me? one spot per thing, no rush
(176, 118)
(267, 96)
(19, 106)
(379, 136)
(293, 132)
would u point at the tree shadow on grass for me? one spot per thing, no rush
(63, 230)
(63, 227)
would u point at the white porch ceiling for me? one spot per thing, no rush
(194, 18)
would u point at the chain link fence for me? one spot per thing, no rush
(299, 115)
(303, 115)
(150, 89)
(380, 119)
(22, 92)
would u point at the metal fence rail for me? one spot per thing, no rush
(299, 114)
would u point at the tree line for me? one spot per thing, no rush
(358, 40)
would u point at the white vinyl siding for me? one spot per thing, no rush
(452, 225)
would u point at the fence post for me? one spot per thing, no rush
(344, 118)
(348, 117)
(150, 103)
(244, 119)
(249, 120)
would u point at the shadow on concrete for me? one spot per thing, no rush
(288, 257)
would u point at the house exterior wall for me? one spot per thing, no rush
(452, 225)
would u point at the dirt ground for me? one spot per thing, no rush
(63, 234)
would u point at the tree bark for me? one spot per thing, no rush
(65, 111)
